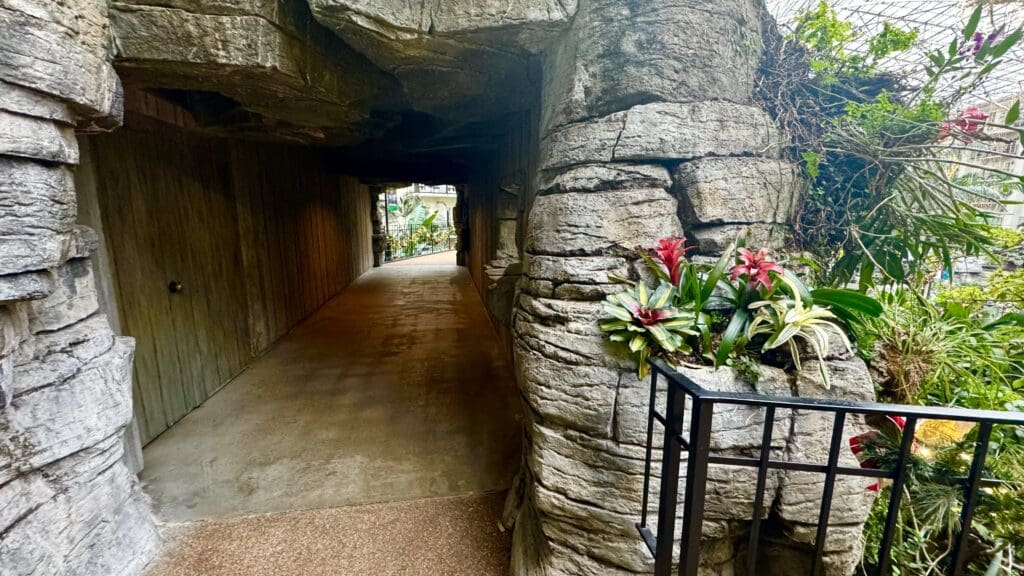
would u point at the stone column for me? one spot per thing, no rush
(647, 117)
(380, 236)
(70, 505)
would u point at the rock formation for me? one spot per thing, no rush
(68, 504)
(605, 123)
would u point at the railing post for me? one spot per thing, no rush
(895, 496)
(696, 485)
(669, 481)
(970, 498)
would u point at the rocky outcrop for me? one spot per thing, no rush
(454, 58)
(289, 75)
(647, 129)
(68, 504)
(633, 148)
(723, 198)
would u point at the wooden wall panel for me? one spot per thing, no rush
(261, 236)
(308, 229)
(170, 216)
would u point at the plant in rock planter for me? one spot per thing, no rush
(644, 321)
(766, 307)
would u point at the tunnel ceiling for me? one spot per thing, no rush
(412, 89)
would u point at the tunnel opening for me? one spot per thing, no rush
(313, 330)
(229, 156)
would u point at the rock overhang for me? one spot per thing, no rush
(417, 82)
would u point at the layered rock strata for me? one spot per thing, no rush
(647, 132)
(68, 503)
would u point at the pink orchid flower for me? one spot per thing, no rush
(755, 266)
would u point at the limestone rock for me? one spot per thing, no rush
(679, 51)
(92, 524)
(560, 403)
(800, 492)
(14, 329)
(74, 298)
(26, 286)
(736, 190)
(268, 58)
(60, 49)
(6, 381)
(715, 239)
(29, 137)
(600, 223)
(662, 131)
(49, 420)
(458, 58)
(37, 214)
(28, 102)
(577, 270)
(598, 177)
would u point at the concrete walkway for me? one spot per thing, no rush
(396, 390)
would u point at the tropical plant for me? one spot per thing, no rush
(644, 320)
(883, 153)
(786, 319)
(719, 314)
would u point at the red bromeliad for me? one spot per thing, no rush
(647, 316)
(671, 253)
(755, 266)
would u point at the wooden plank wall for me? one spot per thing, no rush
(169, 215)
(306, 235)
(260, 235)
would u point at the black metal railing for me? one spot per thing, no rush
(697, 446)
(412, 241)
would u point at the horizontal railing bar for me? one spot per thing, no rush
(657, 416)
(800, 466)
(830, 405)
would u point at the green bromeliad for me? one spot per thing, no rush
(641, 319)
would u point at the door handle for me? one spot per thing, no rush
(175, 286)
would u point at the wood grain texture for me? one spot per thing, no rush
(260, 235)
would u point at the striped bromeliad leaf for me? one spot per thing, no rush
(646, 321)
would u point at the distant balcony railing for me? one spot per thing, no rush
(412, 241)
(686, 398)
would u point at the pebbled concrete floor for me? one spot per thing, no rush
(455, 536)
(395, 390)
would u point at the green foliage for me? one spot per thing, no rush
(891, 40)
(933, 355)
(1007, 287)
(731, 312)
(886, 200)
(425, 235)
(644, 321)
(1005, 238)
(889, 121)
(930, 509)
(786, 319)
(969, 298)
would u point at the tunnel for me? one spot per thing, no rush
(200, 322)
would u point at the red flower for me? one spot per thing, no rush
(646, 316)
(755, 267)
(969, 121)
(671, 253)
(860, 443)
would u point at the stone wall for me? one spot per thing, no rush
(643, 126)
(645, 131)
(68, 504)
